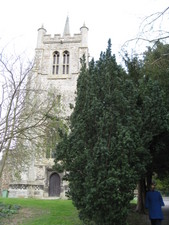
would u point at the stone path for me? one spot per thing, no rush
(165, 210)
(166, 215)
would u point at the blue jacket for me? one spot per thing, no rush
(154, 202)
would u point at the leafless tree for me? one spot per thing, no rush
(23, 106)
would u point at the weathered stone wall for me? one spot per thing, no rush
(35, 177)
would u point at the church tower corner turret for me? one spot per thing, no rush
(41, 32)
(84, 33)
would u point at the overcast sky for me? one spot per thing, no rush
(115, 19)
(118, 20)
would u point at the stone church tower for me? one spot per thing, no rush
(57, 65)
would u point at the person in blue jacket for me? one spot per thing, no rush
(154, 202)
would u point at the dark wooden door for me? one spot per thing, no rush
(54, 185)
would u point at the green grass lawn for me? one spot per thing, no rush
(42, 212)
(54, 212)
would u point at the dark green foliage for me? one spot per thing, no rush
(8, 210)
(150, 77)
(117, 135)
(154, 68)
(104, 153)
(163, 184)
(155, 127)
(156, 61)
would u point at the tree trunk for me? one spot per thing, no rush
(3, 161)
(149, 180)
(141, 196)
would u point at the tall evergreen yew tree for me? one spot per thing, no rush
(148, 77)
(103, 153)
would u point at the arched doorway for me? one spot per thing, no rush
(54, 185)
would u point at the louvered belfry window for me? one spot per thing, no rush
(65, 62)
(55, 63)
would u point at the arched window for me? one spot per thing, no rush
(65, 62)
(55, 69)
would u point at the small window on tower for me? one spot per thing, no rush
(65, 62)
(55, 69)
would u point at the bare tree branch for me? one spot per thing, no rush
(152, 29)
(23, 107)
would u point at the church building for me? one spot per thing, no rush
(57, 64)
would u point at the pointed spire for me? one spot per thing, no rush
(66, 29)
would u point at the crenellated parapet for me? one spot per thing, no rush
(57, 38)
(44, 38)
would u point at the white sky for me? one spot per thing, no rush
(118, 20)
